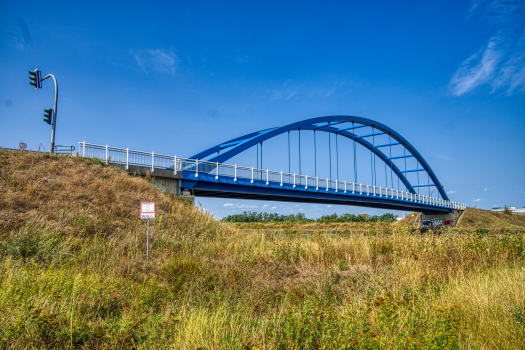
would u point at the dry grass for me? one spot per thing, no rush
(490, 302)
(474, 218)
(75, 275)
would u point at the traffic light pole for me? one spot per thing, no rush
(54, 112)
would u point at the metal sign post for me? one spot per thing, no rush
(147, 211)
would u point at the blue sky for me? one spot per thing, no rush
(178, 77)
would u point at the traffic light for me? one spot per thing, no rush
(48, 116)
(34, 77)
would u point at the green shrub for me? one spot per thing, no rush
(179, 271)
(342, 265)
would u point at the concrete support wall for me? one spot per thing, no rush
(432, 220)
(164, 179)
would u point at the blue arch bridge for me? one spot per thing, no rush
(208, 173)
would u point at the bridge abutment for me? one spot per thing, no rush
(164, 179)
(448, 219)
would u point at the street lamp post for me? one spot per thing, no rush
(55, 112)
(36, 81)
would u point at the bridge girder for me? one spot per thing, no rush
(240, 144)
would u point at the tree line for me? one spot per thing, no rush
(249, 216)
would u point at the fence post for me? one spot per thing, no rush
(367, 190)
(293, 180)
(281, 179)
(306, 182)
(217, 175)
(252, 175)
(380, 192)
(175, 166)
(345, 186)
(327, 184)
(84, 150)
(196, 168)
(127, 158)
(336, 185)
(106, 154)
(152, 161)
(267, 178)
(317, 184)
(235, 177)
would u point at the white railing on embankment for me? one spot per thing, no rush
(160, 161)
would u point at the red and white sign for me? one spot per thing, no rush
(147, 210)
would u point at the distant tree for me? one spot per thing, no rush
(248, 216)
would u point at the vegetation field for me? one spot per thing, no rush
(73, 273)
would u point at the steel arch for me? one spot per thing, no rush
(242, 143)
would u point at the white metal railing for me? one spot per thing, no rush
(160, 161)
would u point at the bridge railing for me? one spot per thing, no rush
(159, 161)
(126, 156)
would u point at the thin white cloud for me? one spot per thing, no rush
(240, 206)
(332, 90)
(286, 92)
(26, 41)
(501, 63)
(273, 208)
(265, 206)
(240, 58)
(475, 71)
(328, 206)
(450, 192)
(164, 61)
(486, 189)
(477, 200)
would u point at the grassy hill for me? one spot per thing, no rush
(474, 218)
(73, 274)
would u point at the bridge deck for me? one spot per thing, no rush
(206, 185)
